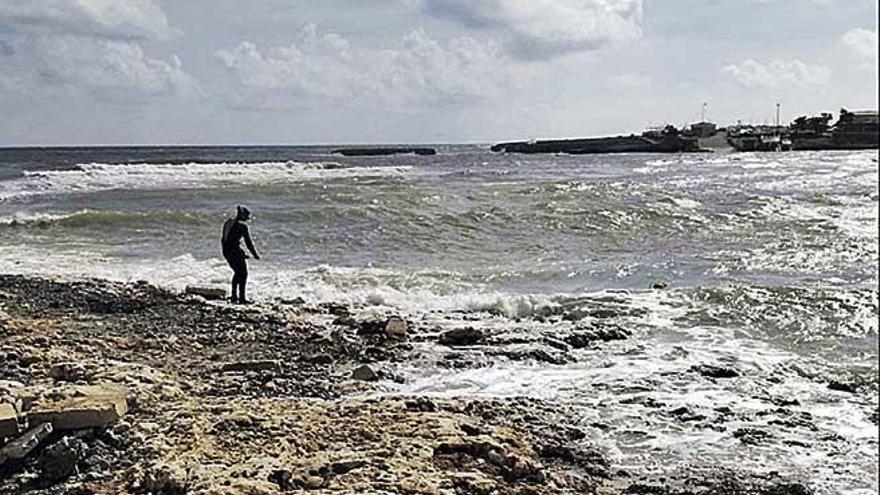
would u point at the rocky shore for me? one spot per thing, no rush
(130, 388)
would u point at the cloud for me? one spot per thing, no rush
(65, 47)
(545, 29)
(321, 67)
(863, 44)
(91, 18)
(777, 73)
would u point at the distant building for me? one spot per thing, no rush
(702, 129)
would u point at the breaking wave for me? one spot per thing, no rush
(93, 177)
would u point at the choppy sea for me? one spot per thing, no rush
(771, 262)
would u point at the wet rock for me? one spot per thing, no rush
(81, 407)
(591, 461)
(209, 293)
(659, 284)
(68, 372)
(260, 365)
(584, 337)
(683, 413)
(841, 386)
(462, 337)
(752, 436)
(713, 371)
(365, 374)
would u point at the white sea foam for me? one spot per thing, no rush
(92, 177)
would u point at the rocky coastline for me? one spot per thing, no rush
(146, 390)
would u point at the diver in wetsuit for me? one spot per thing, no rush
(234, 230)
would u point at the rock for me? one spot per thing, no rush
(209, 293)
(68, 372)
(59, 460)
(82, 407)
(283, 478)
(591, 461)
(162, 479)
(713, 371)
(342, 467)
(8, 421)
(462, 336)
(371, 327)
(659, 284)
(395, 328)
(23, 445)
(843, 386)
(263, 365)
(752, 436)
(365, 374)
(322, 358)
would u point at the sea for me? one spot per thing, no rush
(769, 263)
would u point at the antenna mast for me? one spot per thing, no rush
(777, 113)
(703, 119)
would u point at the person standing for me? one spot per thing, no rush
(234, 230)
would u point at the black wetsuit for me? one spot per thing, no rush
(233, 232)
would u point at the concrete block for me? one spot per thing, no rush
(8, 421)
(81, 407)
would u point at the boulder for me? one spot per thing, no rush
(8, 420)
(80, 407)
(462, 336)
(365, 374)
(209, 293)
(68, 372)
(395, 328)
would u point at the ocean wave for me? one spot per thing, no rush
(87, 217)
(93, 177)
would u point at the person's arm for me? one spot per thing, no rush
(249, 243)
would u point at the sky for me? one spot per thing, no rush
(81, 72)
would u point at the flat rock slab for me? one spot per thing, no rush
(81, 407)
(8, 420)
(23, 445)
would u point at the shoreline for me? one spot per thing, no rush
(267, 399)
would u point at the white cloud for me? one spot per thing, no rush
(324, 66)
(863, 44)
(90, 46)
(776, 73)
(543, 29)
(90, 18)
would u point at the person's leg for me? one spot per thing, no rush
(242, 287)
(235, 278)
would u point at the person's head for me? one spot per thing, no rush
(243, 213)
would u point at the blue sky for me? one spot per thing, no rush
(319, 71)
